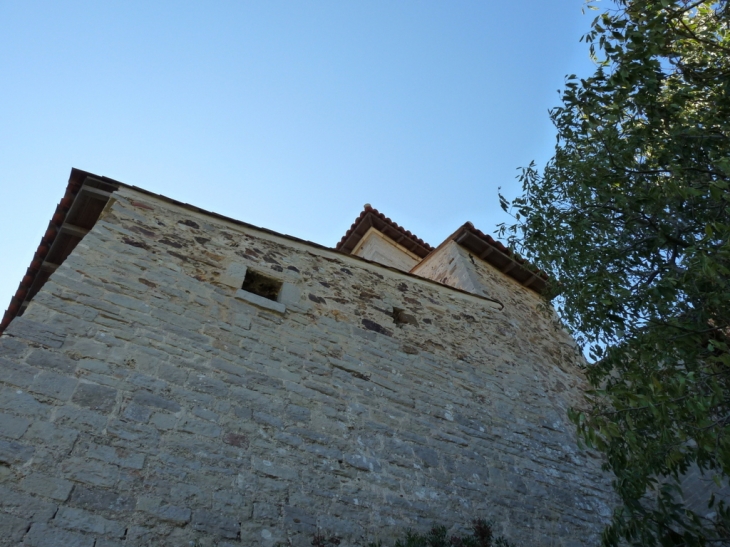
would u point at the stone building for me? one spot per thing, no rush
(171, 377)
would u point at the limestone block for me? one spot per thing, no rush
(101, 499)
(216, 524)
(11, 347)
(42, 333)
(173, 514)
(84, 521)
(148, 399)
(260, 301)
(137, 413)
(17, 374)
(91, 472)
(13, 427)
(96, 397)
(50, 487)
(289, 294)
(43, 535)
(54, 385)
(19, 402)
(110, 454)
(54, 361)
(234, 275)
(13, 528)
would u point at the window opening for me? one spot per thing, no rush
(262, 285)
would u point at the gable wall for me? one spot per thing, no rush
(448, 265)
(380, 248)
(144, 404)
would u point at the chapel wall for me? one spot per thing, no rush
(144, 404)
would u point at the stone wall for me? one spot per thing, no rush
(143, 403)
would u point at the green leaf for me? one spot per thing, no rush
(631, 216)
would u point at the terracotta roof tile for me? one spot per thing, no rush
(371, 217)
(34, 270)
(37, 274)
(504, 259)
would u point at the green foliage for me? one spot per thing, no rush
(631, 220)
(481, 536)
(323, 540)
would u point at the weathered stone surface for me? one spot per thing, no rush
(25, 506)
(199, 427)
(172, 513)
(234, 275)
(234, 439)
(162, 401)
(90, 472)
(12, 529)
(43, 535)
(149, 399)
(12, 347)
(216, 524)
(53, 385)
(54, 361)
(270, 469)
(36, 331)
(101, 500)
(299, 520)
(80, 419)
(84, 521)
(119, 456)
(50, 487)
(137, 413)
(13, 427)
(12, 452)
(104, 542)
(98, 398)
(260, 301)
(17, 374)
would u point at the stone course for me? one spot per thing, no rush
(143, 403)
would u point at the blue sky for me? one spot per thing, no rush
(288, 115)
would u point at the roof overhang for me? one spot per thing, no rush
(371, 218)
(488, 249)
(85, 198)
(87, 195)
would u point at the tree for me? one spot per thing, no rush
(631, 220)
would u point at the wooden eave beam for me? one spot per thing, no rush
(506, 263)
(486, 253)
(95, 193)
(49, 266)
(73, 230)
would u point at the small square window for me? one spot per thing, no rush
(262, 285)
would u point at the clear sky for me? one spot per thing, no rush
(287, 115)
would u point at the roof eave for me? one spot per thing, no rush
(85, 197)
(503, 259)
(372, 218)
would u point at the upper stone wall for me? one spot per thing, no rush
(145, 404)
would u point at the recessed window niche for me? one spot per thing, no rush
(261, 289)
(262, 285)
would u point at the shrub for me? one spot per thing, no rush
(481, 535)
